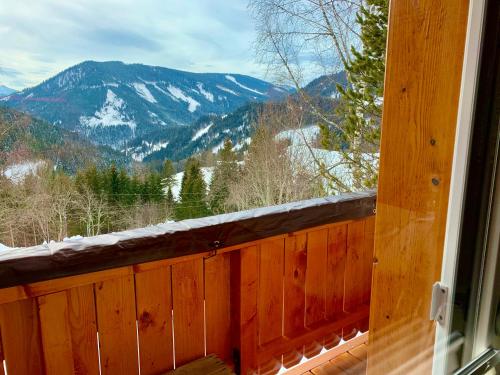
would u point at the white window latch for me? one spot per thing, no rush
(438, 303)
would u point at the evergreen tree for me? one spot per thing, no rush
(225, 171)
(361, 101)
(112, 184)
(155, 193)
(193, 192)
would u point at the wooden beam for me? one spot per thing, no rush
(426, 41)
(181, 239)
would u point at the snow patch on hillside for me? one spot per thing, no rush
(208, 95)
(147, 148)
(202, 131)
(143, 91)
(302, 149)
(179, 94)
(232, 79)
(242, 143)
(227, 90)
(300, 136)
(110, 114)
(18, 172)
(217, 148)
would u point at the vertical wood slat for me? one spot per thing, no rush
(116, 321)
(270, 297)
(218, 305)
(354, 273)
(21, 337)
(369, 235)
(336, 263)
(83, 325)
(317, 246)
(368, 247)
(270, 292)
(55, 332)
(294, 293)
(188, 307)
(244, 286)
(154, 316)
(68, 331)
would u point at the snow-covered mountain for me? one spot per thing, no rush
(4, 91)
(114, 103)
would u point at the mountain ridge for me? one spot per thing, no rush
(113, 103)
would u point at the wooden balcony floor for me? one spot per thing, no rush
(352, 362)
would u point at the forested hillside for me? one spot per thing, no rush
(24, 138)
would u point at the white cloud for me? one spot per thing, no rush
(41, 38)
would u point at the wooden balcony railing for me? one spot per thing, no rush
(260, 289)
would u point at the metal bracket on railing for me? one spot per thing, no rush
(438, 303)
(214, 246)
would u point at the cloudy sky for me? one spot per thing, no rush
(42, 37)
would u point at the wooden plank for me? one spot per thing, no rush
(348, 363)
(283, 344)
(148, 266)
(354, 273)
(336, 261)
(189, 325)
(328, 369)
(56, 334)
(209, 365)
(295, 284)
(354, 287)
(153, 291)
(68, 331)
(421, 94)
(57, 285)
(21, 341)
(329, 356)
(294, 294)
(367, 265)
(244, 286)
(368, 258)
(270, 299)
(270, 302)
(83, 327)
(218, 305)
(360, 352)
(116, 321)
(317, 246)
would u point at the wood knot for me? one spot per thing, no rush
(145, 320)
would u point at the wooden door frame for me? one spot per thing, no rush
(425, 50)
